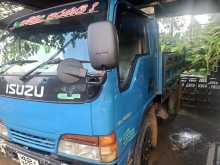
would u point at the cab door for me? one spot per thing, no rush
(136, 73)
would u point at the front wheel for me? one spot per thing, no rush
(147, 146)
(147, 139)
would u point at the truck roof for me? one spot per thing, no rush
(50, 3)
(163, 7)
(42, 4)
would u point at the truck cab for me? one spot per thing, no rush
(78, 84)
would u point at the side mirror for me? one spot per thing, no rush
(103, 45)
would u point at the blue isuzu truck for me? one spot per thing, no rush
(82, 83)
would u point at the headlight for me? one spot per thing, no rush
(102, 148)
(3, 130)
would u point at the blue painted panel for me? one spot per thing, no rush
(103, 107)
(113, 110)
(131, 103)
(46, 117)
(48, 120)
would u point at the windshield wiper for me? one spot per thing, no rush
(24, 77)
(19, 62)
(15, 62)
(58, 60)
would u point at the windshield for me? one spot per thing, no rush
(37, 38)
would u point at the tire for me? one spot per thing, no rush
(147, 138)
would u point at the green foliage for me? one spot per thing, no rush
(200, 43)
(14, 47)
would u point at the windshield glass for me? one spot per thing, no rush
(37, 38)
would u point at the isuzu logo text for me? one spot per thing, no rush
(25, 90)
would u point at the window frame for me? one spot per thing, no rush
(123, 87)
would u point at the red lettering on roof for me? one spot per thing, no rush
(93, 9)
(33, 20)
(74, 11)
(68, 13)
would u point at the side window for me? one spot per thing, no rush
(133, 39)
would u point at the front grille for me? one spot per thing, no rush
(32, 140)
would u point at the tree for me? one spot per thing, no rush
(201, 43)
(18, 47)
(8, 8)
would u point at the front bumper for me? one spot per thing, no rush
(11, 150)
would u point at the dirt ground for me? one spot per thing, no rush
(4, 161)
(205, 122)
